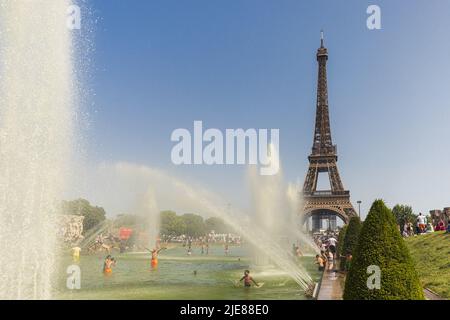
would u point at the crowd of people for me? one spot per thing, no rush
(110, 262)
(325, 260)
(328, 251)
(211, 237)
(423, 226)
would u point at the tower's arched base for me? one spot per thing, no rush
(325, 205)
(319, 220)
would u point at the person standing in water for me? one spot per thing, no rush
(298, 252)
(294, 249)
(76, 254)
(154, 261)
(248, 279)
(226, 249)
(108, 264)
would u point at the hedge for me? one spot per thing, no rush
(380, 244)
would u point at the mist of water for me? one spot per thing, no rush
(179, 193)
(276, 207)
(294, 223)
(149, 212)
(36, 102)
(252, 233)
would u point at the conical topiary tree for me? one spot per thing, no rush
(351, 236)
(340, 248)
(341, 238)
(380, 245)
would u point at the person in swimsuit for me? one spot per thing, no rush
(76, 254)
(320, 262)
(248, 279)
(108, 264)
(154, 261)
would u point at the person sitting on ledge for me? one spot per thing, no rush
(320, 262)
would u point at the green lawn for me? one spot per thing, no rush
(431, 253)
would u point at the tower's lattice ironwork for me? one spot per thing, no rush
(323, 158)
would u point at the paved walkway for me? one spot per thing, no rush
(430, 295)
(331, 287)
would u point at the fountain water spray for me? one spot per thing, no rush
(293, 225)
(148, 210)
(36, 116)
(256, 236)
(179, 191)
(276, 206)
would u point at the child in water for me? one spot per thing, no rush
(154, 261)
(248, 279)
(320, 262)
(108, 264)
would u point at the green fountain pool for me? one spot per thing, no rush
(133, 277)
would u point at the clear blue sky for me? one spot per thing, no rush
(160, 65)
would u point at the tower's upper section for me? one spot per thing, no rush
(322, 144)
(322, 51)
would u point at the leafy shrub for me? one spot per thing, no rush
(381, 244)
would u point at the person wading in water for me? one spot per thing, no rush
(248, 279)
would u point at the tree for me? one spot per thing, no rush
(381, 247)
(351, 236)
(403, 214)
(340, 248)
(216, 224)
(129, 221)
(195, 226)
(341, 238)
(171, 224)
(81, 207)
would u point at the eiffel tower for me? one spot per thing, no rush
(333, 203)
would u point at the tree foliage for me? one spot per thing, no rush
(216, 224)
(190, 224)
(340, 246)
(171, 224)
(92, 214)
(403, 214)
(130, 221)
(341, 238)
(381, 245)
(351, 235)
(195, 226)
